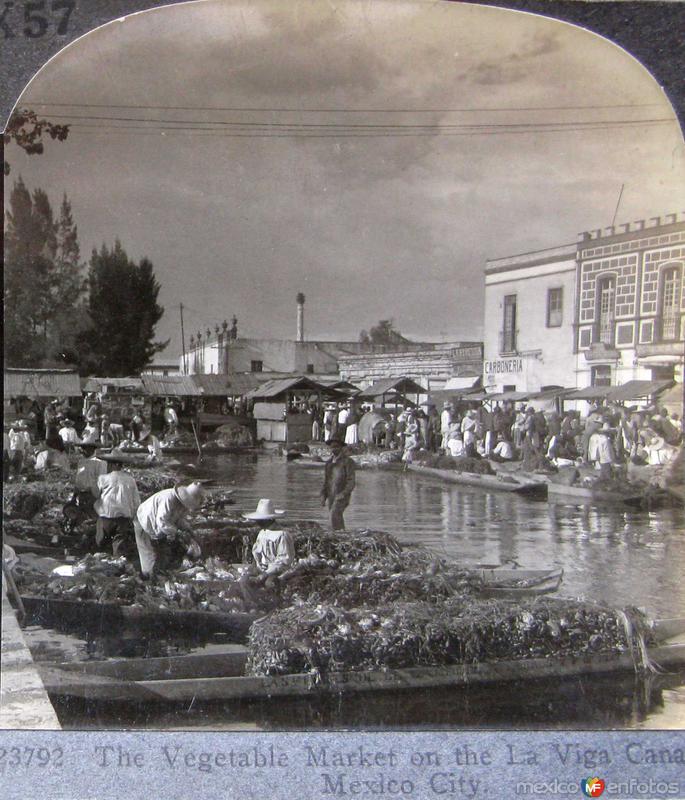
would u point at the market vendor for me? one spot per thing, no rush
(68, 435)
(116, 506)
(154, 447)
(339, 481)
(274, 549)
(19, 447)
(163, 533)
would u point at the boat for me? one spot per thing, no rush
(558, 493)
(221, 676)
(517, 582)
(92, 615)
(501, 582)
(500, 482)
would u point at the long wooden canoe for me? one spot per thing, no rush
(501, 482)
(501, 582)
(221, 677)
(557, 492)
(91, 615)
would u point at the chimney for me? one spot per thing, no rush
(300, 317)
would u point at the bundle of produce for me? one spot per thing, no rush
(478, 466)
(152, 480)
(343, 546)
(324, 638)
(414, 574)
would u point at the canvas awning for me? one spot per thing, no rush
(635, 390)
(230, 385)
(391, 386)
(590, 393)
(41, 383)
(93, 384)
(274, 389)
(170, 386)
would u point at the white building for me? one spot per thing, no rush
(529, 315)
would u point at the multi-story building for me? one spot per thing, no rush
(528, 324)
(630, 310)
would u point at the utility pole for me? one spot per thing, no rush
(183, 342)
(620, 195)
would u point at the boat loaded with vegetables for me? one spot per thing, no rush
(353, 612)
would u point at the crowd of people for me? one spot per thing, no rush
(43, 440)
(606, 436)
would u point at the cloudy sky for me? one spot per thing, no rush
(370, 154)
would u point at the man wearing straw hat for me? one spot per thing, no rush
(274, 549)
(338, 483)
(163, 533)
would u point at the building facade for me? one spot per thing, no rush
(529, 321)
(435, 366)
(630, 311)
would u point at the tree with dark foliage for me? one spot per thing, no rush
(123, 311)
(383, 333)
(25, 129)
(44, 282)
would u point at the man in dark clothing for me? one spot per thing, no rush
(338, 483)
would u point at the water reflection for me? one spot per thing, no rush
(623, 557)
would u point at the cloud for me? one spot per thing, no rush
(501, 70)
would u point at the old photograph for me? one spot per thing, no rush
(343, 375)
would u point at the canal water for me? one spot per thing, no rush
(616, 556)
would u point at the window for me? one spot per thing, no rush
(601, 375)
(310, 369)
(624, 334)
(555, 301)
(256, 366)
(646, 332)
(509, 387)
(670, 296)
(606, 301)
(585, 339)
(508, 344)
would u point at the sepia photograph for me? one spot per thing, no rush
(344, 349)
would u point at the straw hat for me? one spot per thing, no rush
(265, 510)
(192, 496)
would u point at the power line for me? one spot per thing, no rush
(198, 124)
(146, 130)
(285, 109)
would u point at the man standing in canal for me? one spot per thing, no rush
(338, 483)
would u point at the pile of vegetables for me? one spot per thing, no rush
(324, 638)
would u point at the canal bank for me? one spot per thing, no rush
(24, 703)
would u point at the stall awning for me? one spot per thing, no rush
(635, 390)
(231, 385)
(273, 389)
(550, 394)
(41, 383)
(135, 385)
(391, 386)
(591, 393)
(170, 386)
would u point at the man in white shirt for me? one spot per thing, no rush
(503, 451)
(116, 506)
(68, 435)
(19, 446)
(446, 423)
(163, 533)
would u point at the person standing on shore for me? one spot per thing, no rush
(338, 484)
